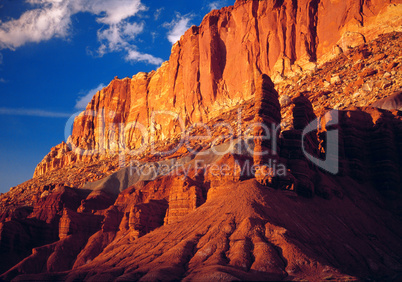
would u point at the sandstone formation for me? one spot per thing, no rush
(278, 38)
(198, 210)
(146, 217)
(266, 130)
(57, 157)
(185, 196)
(141, 209)
(78, 223)
(28, 228)
(258, 233)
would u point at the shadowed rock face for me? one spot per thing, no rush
(248, 231)
(28, 228)
(267, 120)
(216, 66)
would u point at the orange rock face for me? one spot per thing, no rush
(58, 157)
(185, 196)
(215, 67)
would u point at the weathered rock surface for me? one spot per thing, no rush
(57, 157)
(393, 102)
(78, 223)
(247, 231)
(146, 202)
(28, 228)
(198, 212)
(278, 38)
(266, 130)
(58, 256)
(185, 196)
(175, 200)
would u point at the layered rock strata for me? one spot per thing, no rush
(198, 82)
(144, 205)
(185, 196)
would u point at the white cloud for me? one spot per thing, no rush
(2, 80)
(157, 13)
(118, 36)
(136, 56)
(109, 11)
(217, 4)
(177, 27)
(83, 101)
(32, 112)
(52, 18)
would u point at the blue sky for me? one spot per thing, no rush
(55, 54)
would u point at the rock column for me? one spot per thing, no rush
(266, 130)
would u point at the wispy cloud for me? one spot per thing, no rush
(158, 13)
(52, 18)
(1, 58)
(83, 101)
(2, 80)
(32, 112)
(118, 37)
(177, 27)
(136, 56)
(215, 5)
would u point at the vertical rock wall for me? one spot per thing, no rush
(215, 66)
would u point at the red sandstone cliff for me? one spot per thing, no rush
(214, 67)
(208, 225)
(224, 225)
